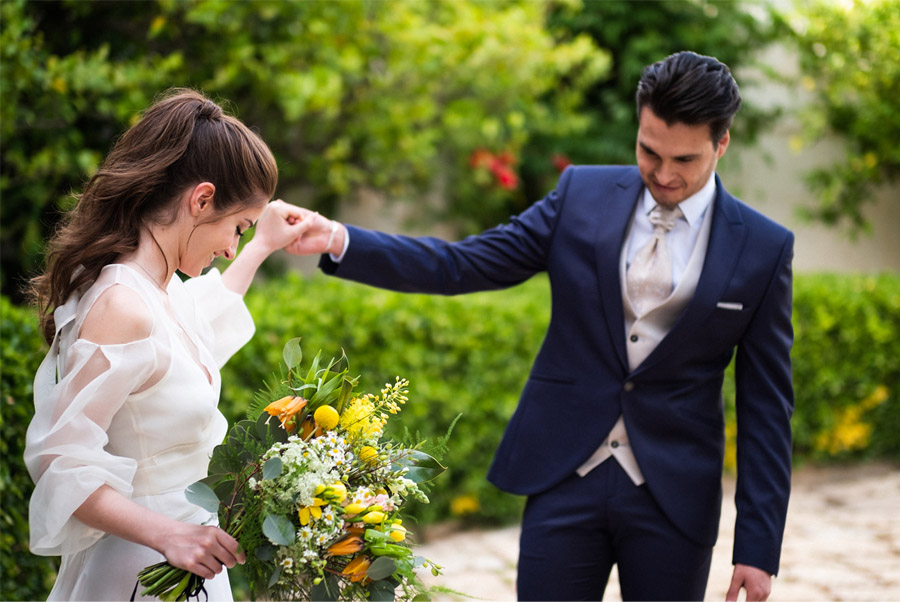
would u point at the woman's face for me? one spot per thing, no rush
(218, 236)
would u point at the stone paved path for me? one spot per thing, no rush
(842, 542)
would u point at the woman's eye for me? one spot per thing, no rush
(237, 231)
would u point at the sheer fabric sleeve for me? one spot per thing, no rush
(66, 440)
(223, 321)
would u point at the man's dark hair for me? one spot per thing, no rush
(690, 88)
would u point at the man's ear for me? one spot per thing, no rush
(200, 199)
(723, 144)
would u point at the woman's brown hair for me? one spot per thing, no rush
(183, 139)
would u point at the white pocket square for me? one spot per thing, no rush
(731, 306)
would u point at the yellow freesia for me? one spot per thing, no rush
(314, 511)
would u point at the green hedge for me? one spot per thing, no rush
(471, 355)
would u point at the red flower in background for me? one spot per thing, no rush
(560, 161)
(500, 165)
(506, 177)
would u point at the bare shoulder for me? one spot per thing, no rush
(119, 315)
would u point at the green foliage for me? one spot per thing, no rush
(23, 576)
(66, 93)
(470, 355)
(389, 96)
(850, 61)
(847, 377)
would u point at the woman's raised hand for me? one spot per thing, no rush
(279, 225)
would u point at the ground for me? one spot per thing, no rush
(842, 542)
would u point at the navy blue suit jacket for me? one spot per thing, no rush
(580, 381)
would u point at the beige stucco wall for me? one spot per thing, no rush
(770, 177)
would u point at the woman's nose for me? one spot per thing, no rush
(231, 252)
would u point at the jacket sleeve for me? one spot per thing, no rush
(497, 258)
(764, 403)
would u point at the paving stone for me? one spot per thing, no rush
(842, 542)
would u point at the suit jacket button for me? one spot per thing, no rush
(629, 386)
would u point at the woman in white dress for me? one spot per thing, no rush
(126, 400)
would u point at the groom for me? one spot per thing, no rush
(658, 275)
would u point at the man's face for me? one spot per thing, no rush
(675, 161)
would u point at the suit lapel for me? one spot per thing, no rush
(612, 226)
(727, 236)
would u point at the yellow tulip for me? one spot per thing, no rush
(397, 533)
(326, 417)
(354, 508)
(373, 518)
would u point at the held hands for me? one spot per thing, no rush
(280, 224)
(756, 582)
(322, 235)
(202, 550)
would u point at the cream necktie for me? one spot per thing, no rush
(649, 278)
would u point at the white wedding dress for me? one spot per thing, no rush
(141, 417)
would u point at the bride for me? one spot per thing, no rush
(126, 399)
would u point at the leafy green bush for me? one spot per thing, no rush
(23, 576)
(470, 355)
(846, 368)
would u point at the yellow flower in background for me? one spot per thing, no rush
(850, 432)
(462, 505)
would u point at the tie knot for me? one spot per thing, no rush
(664, 217)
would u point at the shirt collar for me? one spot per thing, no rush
(692, 207)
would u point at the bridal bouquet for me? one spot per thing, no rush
(313, 490)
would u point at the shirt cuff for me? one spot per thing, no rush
(339, 258)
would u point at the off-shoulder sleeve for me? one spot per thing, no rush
(65, 444)
(222, 319)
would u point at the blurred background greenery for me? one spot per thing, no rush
(460, 113)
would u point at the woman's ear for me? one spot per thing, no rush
(200, 199)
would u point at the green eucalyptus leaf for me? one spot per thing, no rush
(382, 568)
(265, 552)
(272, 468)
(278, 529)
(381, 591)
(292, 354)
(326, 591)
(276, 574)
(202, 495)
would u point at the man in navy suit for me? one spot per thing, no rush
(618, 438)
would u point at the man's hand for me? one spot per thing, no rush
(322, 236)
(756, 582)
